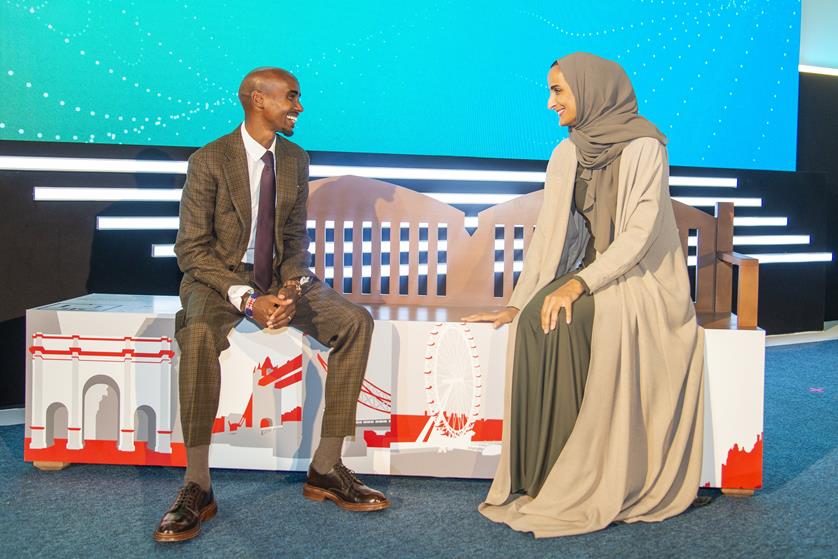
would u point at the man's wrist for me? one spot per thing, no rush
(297, 284)
(248, 301)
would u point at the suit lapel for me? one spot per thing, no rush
(238, 181)
(286, 182)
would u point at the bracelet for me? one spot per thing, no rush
(248, 307)
(294, 284)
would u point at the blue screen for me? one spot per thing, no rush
(430, 78)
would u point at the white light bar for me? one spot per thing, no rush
(366, 271)
(119, 223)
(700, 201)
(793, 257)
(703, 181)
(100, 165)
(171, 223)
(411, 173)
(760, 221)
(517, 244)
(807, 69)
(754, 240)
(90, 165)
(366, 247)
(59, 194)
(163, 251)
(775, 258)
(517, 266)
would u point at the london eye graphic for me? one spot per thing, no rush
(453, 381)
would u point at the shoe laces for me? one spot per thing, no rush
(346, 474)
(188, 496)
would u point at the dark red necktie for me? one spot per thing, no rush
(263, 256)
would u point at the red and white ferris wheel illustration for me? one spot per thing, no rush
(453, 380)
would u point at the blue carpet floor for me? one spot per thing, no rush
(110, 511)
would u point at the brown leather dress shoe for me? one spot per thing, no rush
(183, 519)
(342, 486)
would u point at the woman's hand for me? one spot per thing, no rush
(562, 298)
(497, 319)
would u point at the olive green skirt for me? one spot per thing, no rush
(548, 382)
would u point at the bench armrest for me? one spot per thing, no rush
(748, 293)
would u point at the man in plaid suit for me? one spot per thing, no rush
(243, 249)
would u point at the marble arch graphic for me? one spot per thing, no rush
(64, 370)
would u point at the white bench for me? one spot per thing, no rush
(101, 375)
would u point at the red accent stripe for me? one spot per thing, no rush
(37, 427)
(127, 430)
(77, 351)
(289, 380)
(98, 339)
(164, 432)
(74, 428)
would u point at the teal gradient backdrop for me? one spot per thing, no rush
(431, 78)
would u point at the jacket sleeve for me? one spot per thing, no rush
(529, 278)
(647, 178)
(194, 249)
(295, 255)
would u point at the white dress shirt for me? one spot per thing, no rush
(255, 151)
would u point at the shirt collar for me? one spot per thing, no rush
(254, 149)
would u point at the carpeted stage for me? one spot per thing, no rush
(110, 511)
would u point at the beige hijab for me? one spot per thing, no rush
(606, 121)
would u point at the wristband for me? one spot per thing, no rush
(296, 285)
(248, 307)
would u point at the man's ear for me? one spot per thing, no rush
(257, 98)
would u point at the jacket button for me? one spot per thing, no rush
(231, 267)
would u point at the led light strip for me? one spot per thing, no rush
(823, 70)
(702, 201)
(755, 240)
(60, 193)
(100, 165)
(108, 223)
(783, 258)
(70, 194)
(167, 251)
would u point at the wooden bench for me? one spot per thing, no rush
(370, 208)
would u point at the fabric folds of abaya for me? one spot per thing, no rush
(635, 451)
(548, 387)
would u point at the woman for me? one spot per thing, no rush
(604, 397)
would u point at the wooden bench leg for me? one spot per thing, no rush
(50, 466)
(731, 492)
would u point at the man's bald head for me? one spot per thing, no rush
(262, 79)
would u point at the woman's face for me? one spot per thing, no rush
(561, 97)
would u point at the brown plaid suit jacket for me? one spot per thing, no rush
(215, 225)
(215, 218)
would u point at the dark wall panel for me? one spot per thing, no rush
(817, 151)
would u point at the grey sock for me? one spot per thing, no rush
(197, 466)
(327, 454)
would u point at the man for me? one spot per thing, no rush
(243, 250)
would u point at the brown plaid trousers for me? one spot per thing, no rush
(214, 230)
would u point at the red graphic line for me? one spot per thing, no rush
(373, 408)
(79, 351)
(288, 381)
(376, 387)
(278, 372)
(74, 428)
(366, 391)
(127, 430)
(323, 363)
(37, 427)
(94, 339)
(165, 432)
